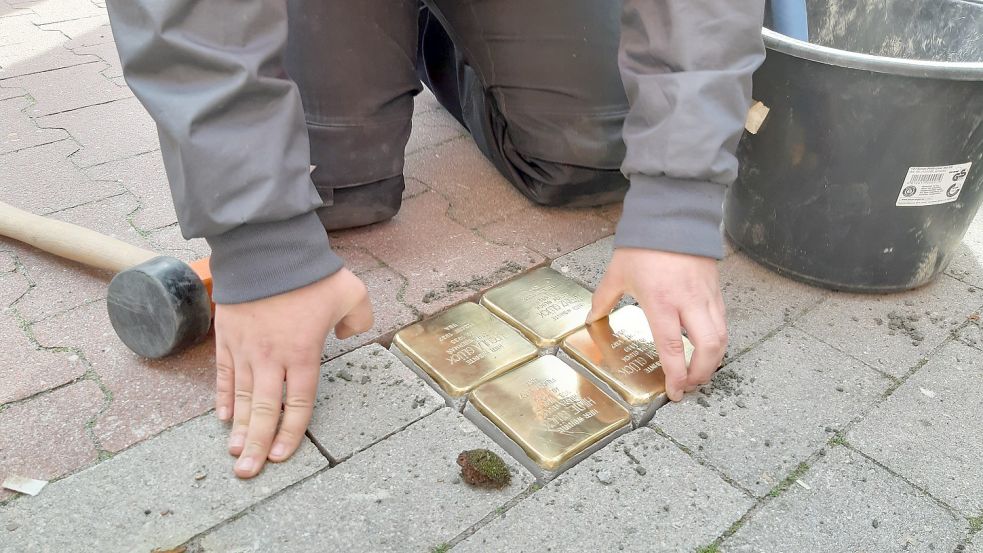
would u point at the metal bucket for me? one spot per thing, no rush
(868, 169)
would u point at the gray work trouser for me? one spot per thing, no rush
(536, 84)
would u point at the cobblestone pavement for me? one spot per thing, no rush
(828, 429)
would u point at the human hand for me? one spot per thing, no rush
(260, 344)
(675, 291)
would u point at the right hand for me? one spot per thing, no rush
(260, 344)
(675, 291)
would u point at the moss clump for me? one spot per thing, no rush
(483, 468)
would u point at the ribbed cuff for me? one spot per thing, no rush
(673, 215)
(259, 260)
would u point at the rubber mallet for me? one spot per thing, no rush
(158, 305)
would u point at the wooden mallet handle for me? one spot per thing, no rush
(70, 241)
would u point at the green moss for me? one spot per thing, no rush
(442, 548)
(975, 524)
(489, 464)
(712, 548)
(837, 440)
(789, 480)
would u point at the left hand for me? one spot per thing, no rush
(675, 291)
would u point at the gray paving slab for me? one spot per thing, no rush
(641, 493)
(973, 546)
(158, 494)
(363, 397)
(892, 332)
(758, 301)
(19, 131)
(847, 503)
(929, 430)
(967, 263)
(972, 334)
(403, 494)
(107, 132)
(771, 409)
(69, 88)
(586, 265)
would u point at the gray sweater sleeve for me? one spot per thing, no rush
(686, 67)
(232, 135)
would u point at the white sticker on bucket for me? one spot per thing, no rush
(932, 185)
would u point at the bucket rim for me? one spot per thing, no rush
(947, 70)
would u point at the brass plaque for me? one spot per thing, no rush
(545, 305)
(550, 410)
(463, 347)
(620, 351)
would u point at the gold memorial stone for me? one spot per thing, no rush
(549, 409)
(619, 350)
(464, 347)
(545, 305)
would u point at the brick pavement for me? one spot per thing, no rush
(827, 429)
(75, 145)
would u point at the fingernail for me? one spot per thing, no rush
(236, 440)
(245, 464)
(223, 413)
(590, 314)
(279, 450)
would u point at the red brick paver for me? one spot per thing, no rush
(25, 173)
(6, 266)
(442, 261)
(107, 132)
(19, 131)
(89, 87)
(147, 396)
(391, 314)
(143, 176)
(26, 370)
(549, 231)
(46, 437)
(477, 193)
(60, 285)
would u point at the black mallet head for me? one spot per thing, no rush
(159, 307)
